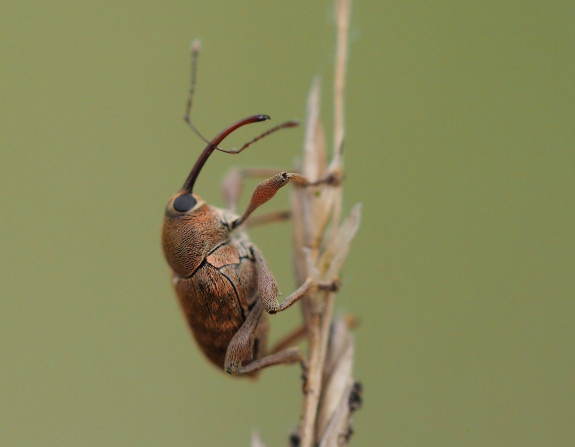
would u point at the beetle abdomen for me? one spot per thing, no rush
(216, 302)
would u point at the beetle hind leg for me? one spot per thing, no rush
(287, 356)
(242, 356)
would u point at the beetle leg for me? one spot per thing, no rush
(289, 339)
(266, 189)
(234, 180)
(264, 219)
(287, 356)
(268, 289)
(241, 347)
(293, 297)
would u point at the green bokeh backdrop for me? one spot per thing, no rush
(460, 144)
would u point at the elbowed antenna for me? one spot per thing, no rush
(213, 145)
(189, 183)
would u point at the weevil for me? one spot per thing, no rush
(223, 283)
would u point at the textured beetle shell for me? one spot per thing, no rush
(188, 239)
(214, 274)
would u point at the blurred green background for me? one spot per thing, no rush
(460, 144)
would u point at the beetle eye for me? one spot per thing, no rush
(184, 203)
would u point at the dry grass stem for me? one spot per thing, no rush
(321, 244)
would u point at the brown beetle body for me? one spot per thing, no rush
(221, 279)
(214, 271)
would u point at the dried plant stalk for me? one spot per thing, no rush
(321, 243)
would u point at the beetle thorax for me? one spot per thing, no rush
(188, 239)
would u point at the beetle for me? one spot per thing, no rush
(222, 281)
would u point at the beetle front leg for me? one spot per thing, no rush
(264, 219)
(265, 190)
(234, 180)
